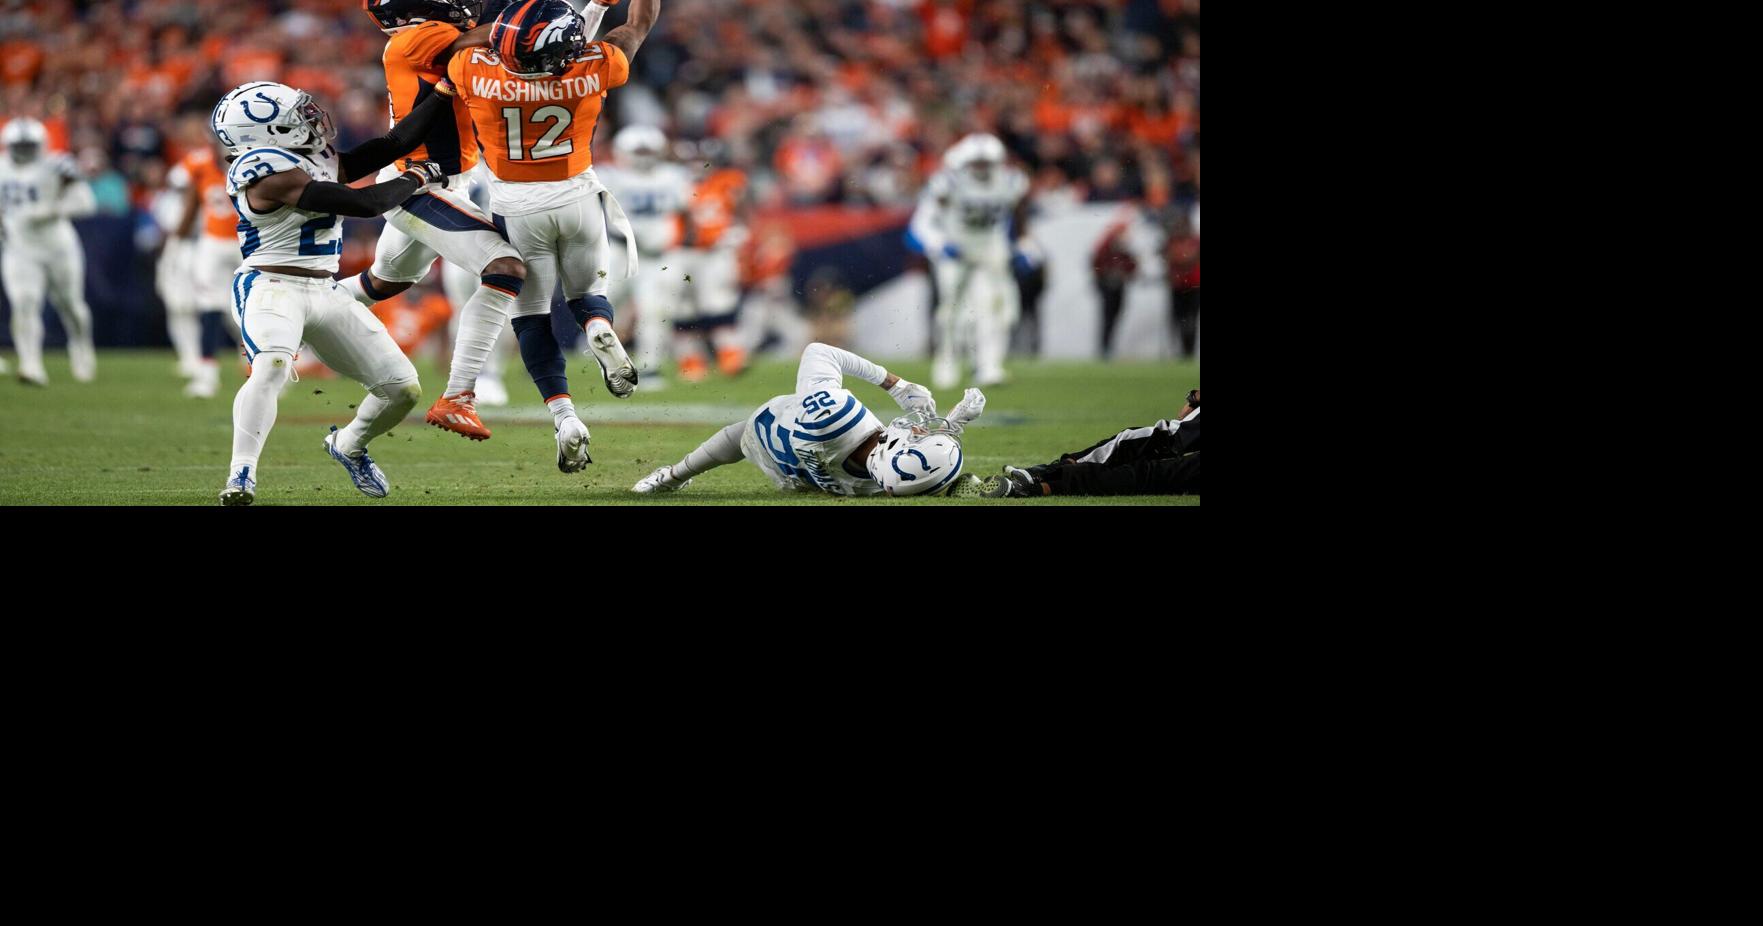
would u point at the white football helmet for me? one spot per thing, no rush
(917, 455)
(640, 146)
(25, 138)
(262, 114)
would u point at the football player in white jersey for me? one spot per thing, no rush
(289, 186)
(967, 224)
(821, 438)
(655, 193)
(39, 250)
(171, 275)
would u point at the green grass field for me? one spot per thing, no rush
(132, 438)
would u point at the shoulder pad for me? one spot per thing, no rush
(258, 163)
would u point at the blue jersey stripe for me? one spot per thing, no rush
(244, 298)
(851, 423)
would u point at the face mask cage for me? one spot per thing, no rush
(315, 118)
(918, 426)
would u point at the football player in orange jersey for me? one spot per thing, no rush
(424, 35)
(708, 292)
(211, 259)
(534, 96)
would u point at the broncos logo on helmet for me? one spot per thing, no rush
(538, 38)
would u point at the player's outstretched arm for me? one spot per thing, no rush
(629, 37)
(296, 188)
(826, 365)
(371, 155)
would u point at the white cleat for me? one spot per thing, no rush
(82, 358)
(4, 369)
(572, 446)
(362, 470)
(241, 490)
(205, 384)
(615, 365)
(658, 481)
(33, 377)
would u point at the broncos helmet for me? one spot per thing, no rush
(918, 454)
(392, 15)
(538, 38)
(262, 114)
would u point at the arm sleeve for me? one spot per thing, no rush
(592, 13)
(825, 365)
(365, 203)
(373, 154)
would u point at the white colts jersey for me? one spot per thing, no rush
(285, 236)
(976, 218)
(811, 435)
(653, 199)
(29, 195)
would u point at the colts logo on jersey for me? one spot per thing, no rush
(275, 109)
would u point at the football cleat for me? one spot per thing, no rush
(967, 486)
(572, 446)
(945, 373)
(692, 369)
(1015, 483)
(458, 414)
(660, 480)
(205, 382)
(731, 361)
(615, 365)
(33, 377)
(241, 490)
(362, 470)
(82, 360)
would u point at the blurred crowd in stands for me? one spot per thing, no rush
(820, 102)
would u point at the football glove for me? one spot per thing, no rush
(972, 404)
(433, 177)
(913, 397)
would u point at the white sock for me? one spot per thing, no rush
(186, 338)
(352, 286)
(27, 331)
(561, 408)
(723, 448)
(480, 322)
(596, 322)
(383, 408)
(255, 406)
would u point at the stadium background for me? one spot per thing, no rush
(837, 111)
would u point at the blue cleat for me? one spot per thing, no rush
(362, 470)
(241, 490)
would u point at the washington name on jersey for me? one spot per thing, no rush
(285, 236)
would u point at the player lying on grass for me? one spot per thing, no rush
(821, 438)
(289, 186)
(1163, 459)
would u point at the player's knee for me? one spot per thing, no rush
(507, 266)
(404, 392)
(270, 369)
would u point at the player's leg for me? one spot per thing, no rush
(26, 281)
(688, 332)
(994, 310)
(460, 285)
(719, 293)
(654, 321)
(453, 227)
(212, 274)
(400, 259)
(67, 291)
(584, 262)
(535, 235)
(355, 343)
(172, 275)
(271, 313)
(723, 448)
(951, 291)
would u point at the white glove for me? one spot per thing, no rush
(971, 405)
(913, 397)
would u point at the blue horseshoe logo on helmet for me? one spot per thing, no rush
(275, 109)
(922, 463)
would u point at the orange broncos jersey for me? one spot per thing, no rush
(537, 130)
(218, 218)
(411, 75)
(716, 205)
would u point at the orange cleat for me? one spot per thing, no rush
(731, 361)
(693, 369)
(459, 415)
